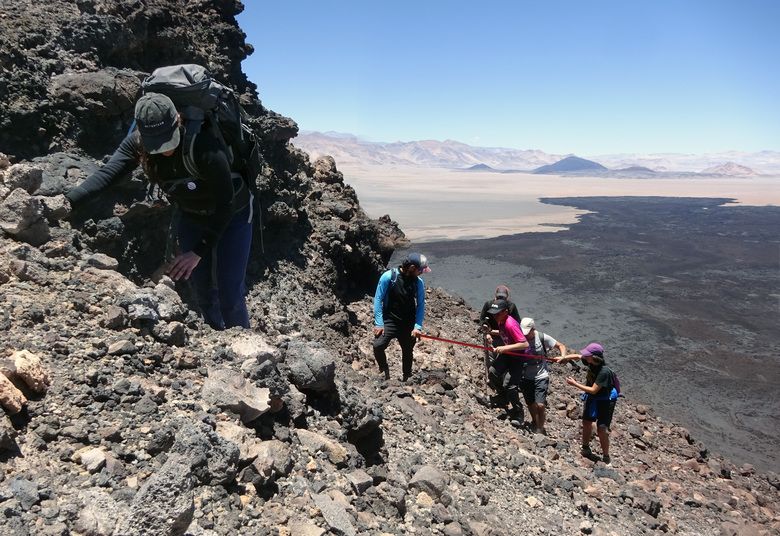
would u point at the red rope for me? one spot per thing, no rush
(478, 347)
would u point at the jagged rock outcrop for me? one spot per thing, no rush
(131, 434)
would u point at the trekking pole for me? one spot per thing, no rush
(483, 331)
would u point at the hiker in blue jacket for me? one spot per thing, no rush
(215, 229)
(601, 390)
(399, 308)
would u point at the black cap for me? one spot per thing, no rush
(498, 306)
(158, 123)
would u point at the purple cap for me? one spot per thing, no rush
(593, 348)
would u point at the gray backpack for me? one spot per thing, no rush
(204, 102)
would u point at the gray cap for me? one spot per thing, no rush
(158, 123)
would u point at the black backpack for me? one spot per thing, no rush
(202, 101)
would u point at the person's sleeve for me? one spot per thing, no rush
(549, 342)
(379, 299)
(123, 161)
(418, 320)
(214, 165)
(483, 315)
(514, 313)
(602, 380)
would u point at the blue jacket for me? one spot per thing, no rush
(381, 296)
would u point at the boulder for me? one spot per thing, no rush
(212, 459)
(101, 261)
(229, 390)
(55, 208)
(93, 460)
(11, 398)
(164, 505)
(99, 514)
(24, 175)
(26, 492)
(314, 442)
(7, 435)
(21, 216)
(430, 480)
(312, 368)
(255, 347)
(335, 515)
(325, 171)
(360, 480)
(249, 446)
(273, 461)
(28, 368)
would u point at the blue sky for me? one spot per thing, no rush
(586, 77)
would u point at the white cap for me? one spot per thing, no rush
(526, 325)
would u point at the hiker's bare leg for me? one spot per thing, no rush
(587, 432)
(603, 432)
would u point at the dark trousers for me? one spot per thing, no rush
(404, 335)
(220, 279)
(505, 375)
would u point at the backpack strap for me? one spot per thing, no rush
(193, 122)
(541, 338)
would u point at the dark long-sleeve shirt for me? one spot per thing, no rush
(210, 202)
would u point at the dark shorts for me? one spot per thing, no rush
(599, 411)
(535, 391)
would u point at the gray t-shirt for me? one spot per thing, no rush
(538, 369)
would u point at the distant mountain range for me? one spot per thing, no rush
(349, 149)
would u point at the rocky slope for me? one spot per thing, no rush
(143, 421)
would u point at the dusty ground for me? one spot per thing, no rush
(441, 204)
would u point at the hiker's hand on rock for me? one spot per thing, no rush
(416, 333)
(571, 381)
(378, 330)
(183, 265)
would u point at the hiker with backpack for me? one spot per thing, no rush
(196, 171)
(536, 372)
(601, 390)
(513, 341)
(488, 324)
(399, 309)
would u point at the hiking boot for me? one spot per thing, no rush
(586, 452)
(606, 459)
(386, 372)
(498, 401)
(540, 431)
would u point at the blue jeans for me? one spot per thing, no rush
(221, 289)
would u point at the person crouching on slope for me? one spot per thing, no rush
(399, 309)
(600, 397)
(215, 229)
(514, 342)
